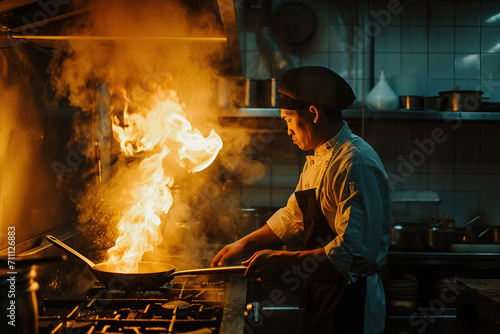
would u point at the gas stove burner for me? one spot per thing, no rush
(180, 308)
(189, 304)
(177, 304)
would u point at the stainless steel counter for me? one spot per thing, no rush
(464, 260)
(478, 308)
(233, 320)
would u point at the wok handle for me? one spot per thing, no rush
(69, 250)
(214, 270)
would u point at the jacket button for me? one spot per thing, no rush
(307, 185)
(312, 162)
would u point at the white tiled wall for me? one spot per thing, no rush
(464, 168)
(449, 44)
(429, 46)
(445, 43)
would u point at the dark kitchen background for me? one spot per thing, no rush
(422, 47)
(428, 47)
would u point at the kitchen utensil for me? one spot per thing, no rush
(210, 271)
(294, 24)
(151, 275)
(382, 97)
(470, 222)
(254, 93)
(19, 285)
(19, 304)
(419, 235)
(491, 235)
(407, 237)
(440, 238)
(461, 100)
(271, 94)
(411, 102)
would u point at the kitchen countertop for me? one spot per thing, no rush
(233, 320)
(473, 260)
(487, 289)
(482, 295)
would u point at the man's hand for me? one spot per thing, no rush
(229, 254)
(264, 237)
(269, 265)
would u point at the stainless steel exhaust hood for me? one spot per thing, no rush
(42, 22)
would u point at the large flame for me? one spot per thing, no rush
(162, 139)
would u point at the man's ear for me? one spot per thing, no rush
(314, 113)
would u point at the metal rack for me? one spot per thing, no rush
(427, 114)
(435, 310)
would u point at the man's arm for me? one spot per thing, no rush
(273, 265)
(363, 220)
(257, 240)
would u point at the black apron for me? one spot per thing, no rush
(334, 306)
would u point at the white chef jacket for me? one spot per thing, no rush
(354, 193)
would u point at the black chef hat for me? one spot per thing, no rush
(302, 87)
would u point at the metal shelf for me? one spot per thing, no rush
(252, 112)
(432, 115)
(427, 114)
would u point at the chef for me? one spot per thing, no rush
(341, 209)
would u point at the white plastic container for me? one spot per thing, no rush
(382, 97)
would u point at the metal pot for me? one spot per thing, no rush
(18, 302)
(271, 94)
(461, 100)
(242, 92)
(407, 237)
(440, 238)
(411, 102)
(254, 93)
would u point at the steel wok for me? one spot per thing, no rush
(151, 275)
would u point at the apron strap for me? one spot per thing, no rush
(316, 227)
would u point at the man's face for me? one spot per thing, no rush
(300, 127)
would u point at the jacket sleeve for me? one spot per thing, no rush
(287, 222)
(361, 194)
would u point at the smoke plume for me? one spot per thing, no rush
(147, 47)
